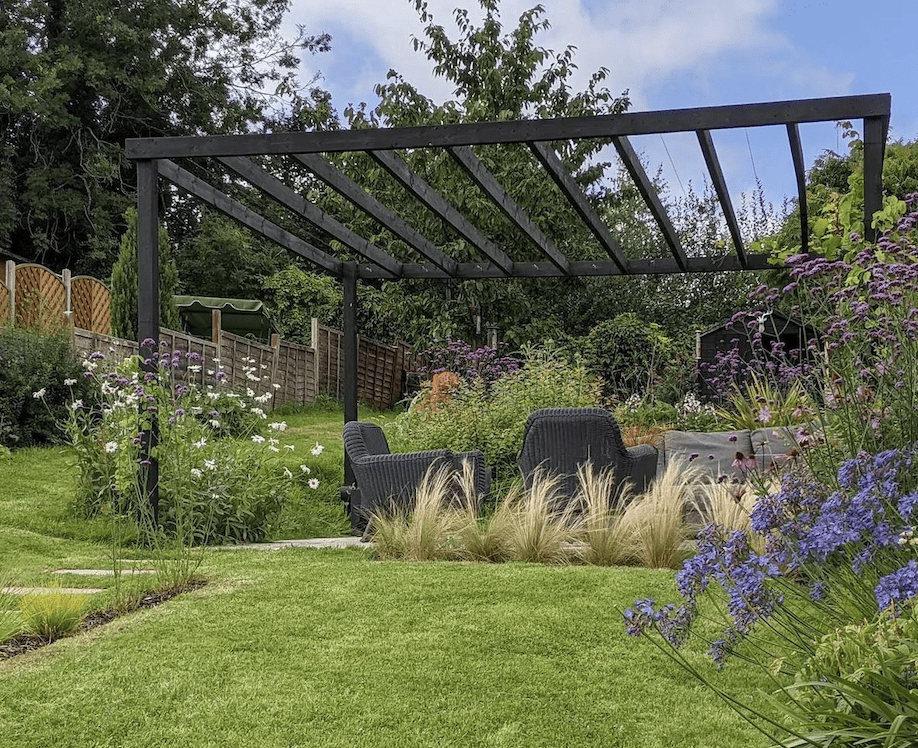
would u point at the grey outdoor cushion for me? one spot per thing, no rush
(715, 451)
(773, 445)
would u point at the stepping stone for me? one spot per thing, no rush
(345, 542)
(50, 590)
(102, 572)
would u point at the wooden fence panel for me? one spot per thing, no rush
(90, 303)
(4, 304)
(41, 297)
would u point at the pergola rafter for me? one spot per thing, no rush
(156, 157)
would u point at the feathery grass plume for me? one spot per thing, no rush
(488, 538)
(539, 529)
(52, 614)
(427, 531)
(601, 529)
(482, 538)
(655, 522)
(730, 506)
(10, 619)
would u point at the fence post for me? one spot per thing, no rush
(68, 303)
(314, 344)
(11, 285)
(275, 344)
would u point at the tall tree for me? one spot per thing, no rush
(501, 75)
(78, 77)
(497, 75)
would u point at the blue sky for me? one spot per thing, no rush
(669, 54)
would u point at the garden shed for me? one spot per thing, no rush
(266, 161)
(772, 325)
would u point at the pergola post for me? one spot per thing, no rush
(148, 310)
(349, 278)
(874, 145)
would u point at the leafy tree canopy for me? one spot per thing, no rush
(78, 77)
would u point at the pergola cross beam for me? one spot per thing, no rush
(571, 190)
(274, 187)
(723, 194)
(352, 192)
(435, 202)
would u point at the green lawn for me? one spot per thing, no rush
(331, 648)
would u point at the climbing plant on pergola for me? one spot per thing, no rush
(160, 158)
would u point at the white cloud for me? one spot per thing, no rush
(668, 53)
(643, 42)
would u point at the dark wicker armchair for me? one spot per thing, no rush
(383, 477)
(560, 439)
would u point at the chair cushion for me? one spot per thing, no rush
(772, 445)
(715, 451)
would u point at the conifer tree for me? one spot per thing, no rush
(125, 283)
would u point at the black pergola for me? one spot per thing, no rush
(157, 158)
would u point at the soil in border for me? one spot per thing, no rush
(27, 642)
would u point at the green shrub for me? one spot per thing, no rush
(860, 683)
(32, 361)
(493, 419)
(627, 353)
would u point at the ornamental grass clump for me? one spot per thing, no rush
(835, 555)
(52, 614)
(425, 531)
(601, 529)
(654, 522)
(482, 538)
(542, 523)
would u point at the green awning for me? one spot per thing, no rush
(244, 317)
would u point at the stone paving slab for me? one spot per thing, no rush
(346, 542)
(49, 590)
(101, 572)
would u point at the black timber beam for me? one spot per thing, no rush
(274, 187)
(523, 131)
(796, 148)
(247, 217)
(651, 198)
(723, 195)
(351, 191)
(571, 190)
(664, 266)
(488, 184)
(438, 205)
(875, 129)
(148, 314)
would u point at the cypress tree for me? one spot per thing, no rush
(124, 283)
